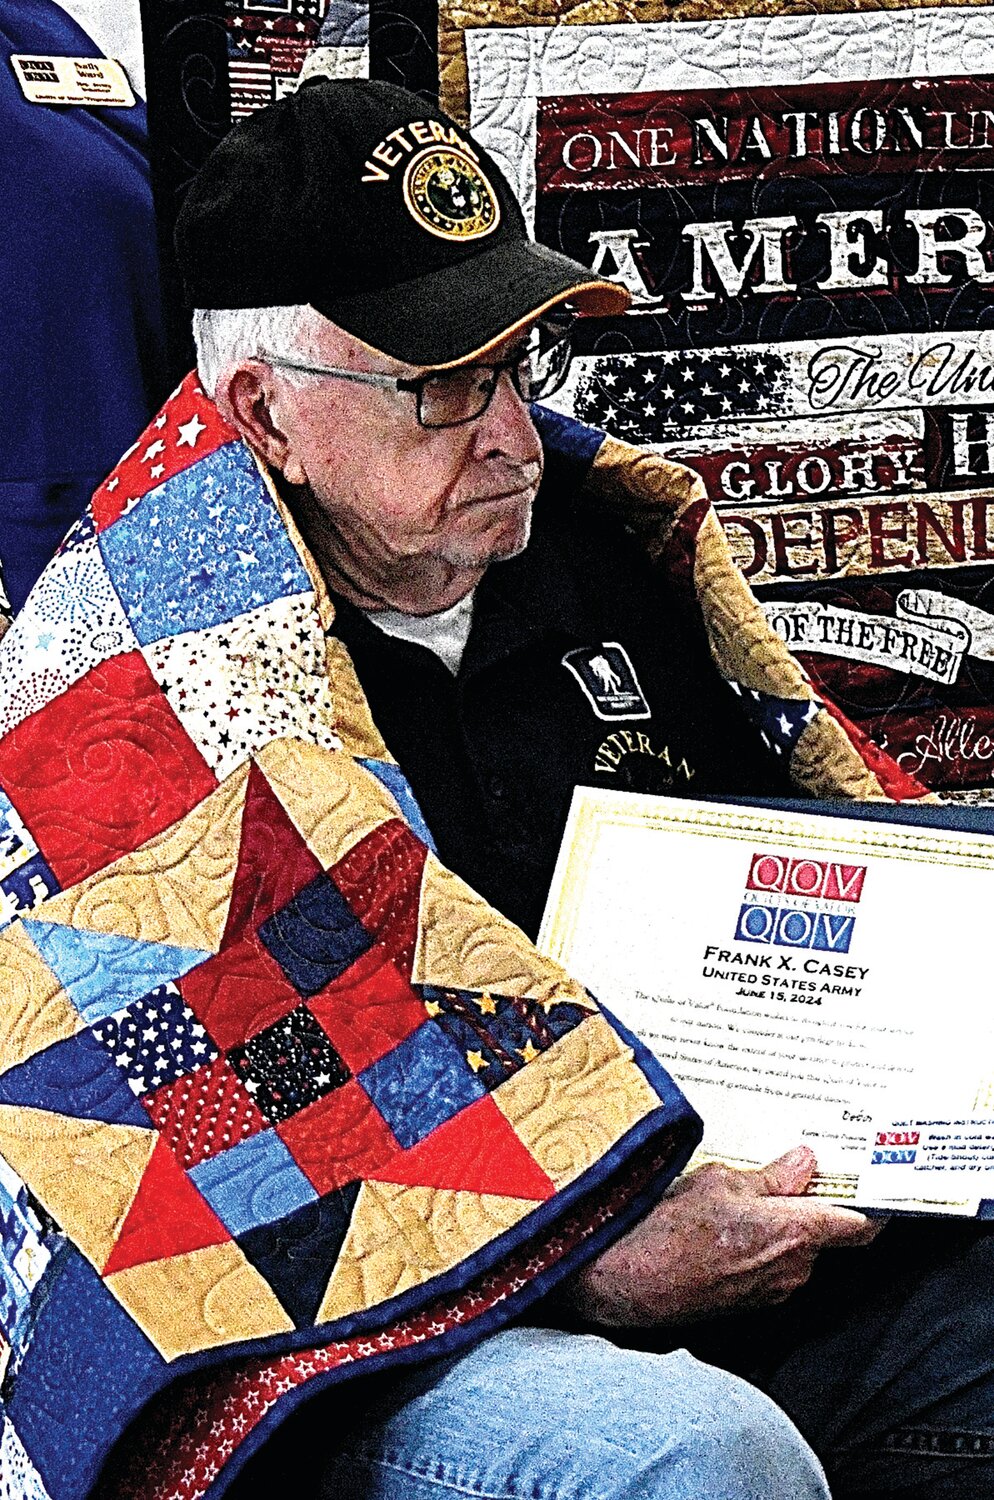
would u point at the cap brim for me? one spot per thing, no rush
(457, 313)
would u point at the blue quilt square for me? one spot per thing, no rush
(255, 1182)
(205, 546)
(420, 1084)
(155, 1040)
(315, 937)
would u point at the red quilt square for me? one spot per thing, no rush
(339, 1138)
(102, 768)
(368, 1010)
(380, 878)
(239, 991)
(204, 1112)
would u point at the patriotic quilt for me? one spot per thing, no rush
(281, 1098)
(272, 47)
(803, 211)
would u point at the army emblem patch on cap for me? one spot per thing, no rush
(446, 192)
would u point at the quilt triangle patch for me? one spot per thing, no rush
(75, 1077)
(475, 1151)
(167, 1217)
(84, 1172)
(297, 1254)
(274, 861)
(464, 944)
(175, 889)
(102, 971)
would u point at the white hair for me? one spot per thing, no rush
(225, 334)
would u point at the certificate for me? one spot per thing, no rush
(804, 978)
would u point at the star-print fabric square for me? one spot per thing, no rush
(288, 1066)
(155, 1040)
(178, 563)
(496, 1034)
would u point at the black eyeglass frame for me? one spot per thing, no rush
(513, 366)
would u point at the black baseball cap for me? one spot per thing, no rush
(370, 204)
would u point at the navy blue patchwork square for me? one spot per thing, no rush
(420, 1084)
(288, 1066)
(498, 1035)
(155, 1040)
(315, 937)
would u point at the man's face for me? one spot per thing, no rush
(397, 495)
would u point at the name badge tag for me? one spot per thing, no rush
(72, 80)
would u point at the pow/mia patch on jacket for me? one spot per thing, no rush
(447, 193)
(607, 677)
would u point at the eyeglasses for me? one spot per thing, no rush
(450, 398)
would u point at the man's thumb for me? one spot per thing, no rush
(789, 1174)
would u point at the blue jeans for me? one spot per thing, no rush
(538, 1414)
(885, 1362)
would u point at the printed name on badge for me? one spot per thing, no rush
(607, 677)
(73, 80)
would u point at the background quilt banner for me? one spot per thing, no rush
(803, 210)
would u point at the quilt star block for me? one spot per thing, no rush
(201, 549)
(101, 769)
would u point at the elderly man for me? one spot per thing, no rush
(373, 321)
(335, 1106)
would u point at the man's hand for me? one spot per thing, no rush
(720, 1240)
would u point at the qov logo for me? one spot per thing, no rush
(821, 895)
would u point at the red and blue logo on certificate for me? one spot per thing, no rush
(800, 903)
